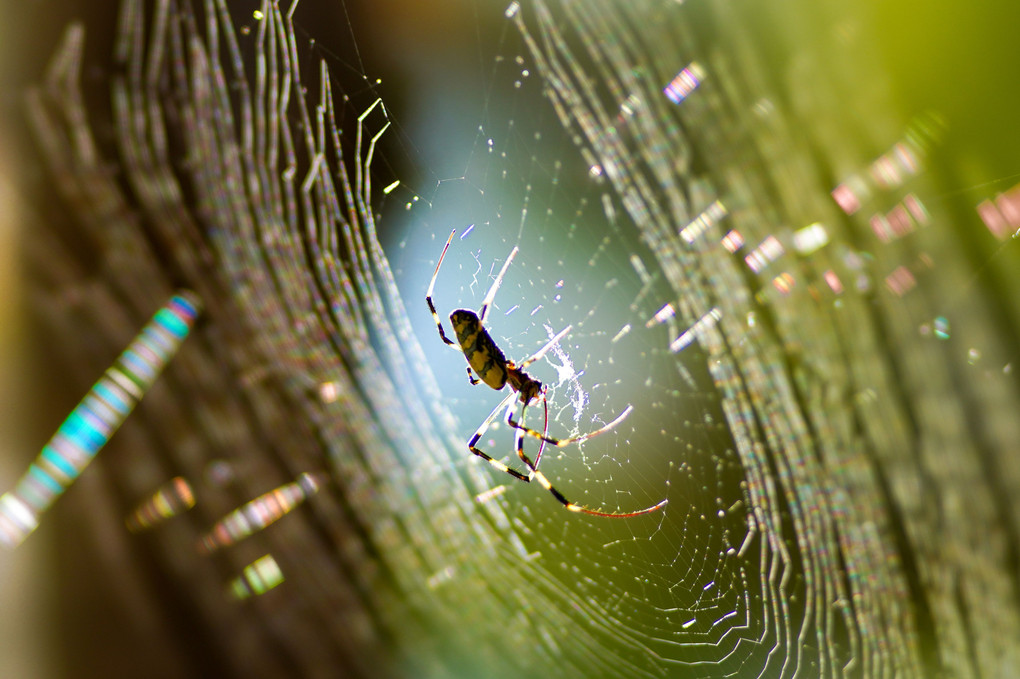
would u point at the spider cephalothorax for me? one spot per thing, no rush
(527, 386)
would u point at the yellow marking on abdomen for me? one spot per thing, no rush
(482, 354)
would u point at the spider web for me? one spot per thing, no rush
(795, 353)
(522, 182)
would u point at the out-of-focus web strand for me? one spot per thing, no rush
(93, 193)
(390, 502)
(213, 132)
(91, 424)
(638, 207)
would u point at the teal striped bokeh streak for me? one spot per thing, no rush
(91, 424)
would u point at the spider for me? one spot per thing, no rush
(492, 367)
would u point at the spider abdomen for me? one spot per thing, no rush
(482, 354)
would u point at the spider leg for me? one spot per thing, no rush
(491, 294)
(481, 430)
(471, 378)
(559, 443)
(584, 510)
(544, 481)
(428, 296)
(520, 429)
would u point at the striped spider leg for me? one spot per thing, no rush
(487, 361)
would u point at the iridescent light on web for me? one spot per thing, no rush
(685, 82)
(260, 512)
(640, 268)
(708, 217)
(440, 577)
(172, 498)
(704, 323)
(900, 281)
(833, 281)
(899, 221)
(784, 282)
(629, 106)
(487, 495)
(1003, 215)
(329, 392)
(850, 194)
(942, 327)
(91, 424)
(769, 250)
(888, 171)
(257, 578)
(662, 315)
(993, 219)
(732, 241)
(916, 208)
(811, 238)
